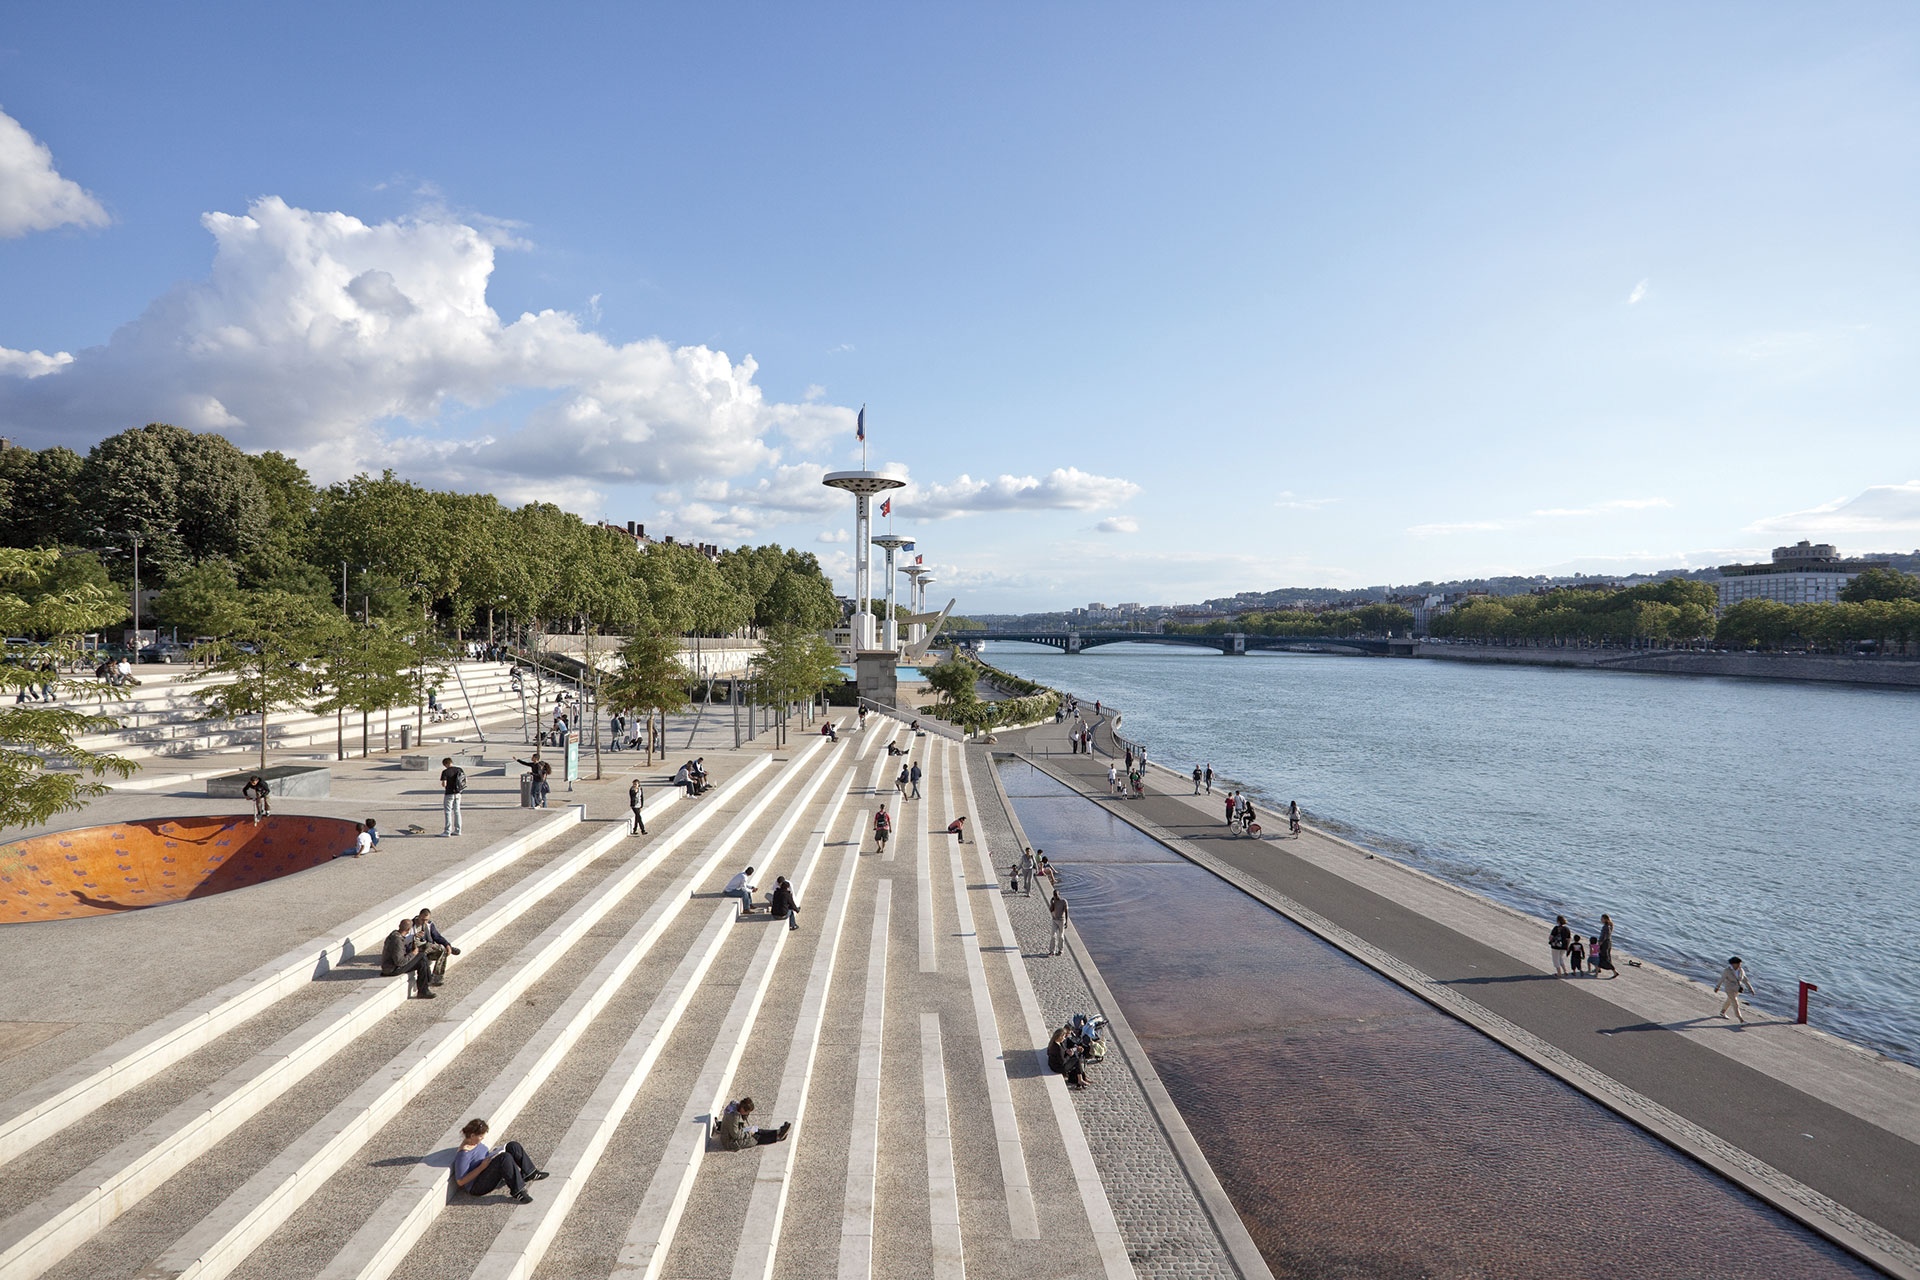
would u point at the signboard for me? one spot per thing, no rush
(573, 759)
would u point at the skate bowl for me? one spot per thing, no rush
(128, 866)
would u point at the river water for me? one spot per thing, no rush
(1779, 821)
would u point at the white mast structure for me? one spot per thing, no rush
(863, 484)
(892, 542)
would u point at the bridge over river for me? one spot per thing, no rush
(1230, 643)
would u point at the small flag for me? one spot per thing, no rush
(860, 425)
(916, 559)
(886, 508)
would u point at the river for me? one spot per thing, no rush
(1779, 821)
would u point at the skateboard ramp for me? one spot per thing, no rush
(125, 866)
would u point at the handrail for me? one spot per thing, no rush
(938, 727)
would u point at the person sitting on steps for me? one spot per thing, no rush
(399, 956)
(477, 1170)
(741, 887)
(737, 1132)
(782, 904)
(1065, 1059)
(431, 939)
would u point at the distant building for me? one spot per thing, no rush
(1804, 573)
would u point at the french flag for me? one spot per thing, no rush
(860, 425)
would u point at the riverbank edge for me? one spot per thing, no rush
(1819, 1213)
(1235, 1239)
(1876, 673)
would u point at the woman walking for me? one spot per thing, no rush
(1293, 818)
(1603, 948)
(1559, 939)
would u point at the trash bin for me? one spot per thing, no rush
(526, 791)
(406, 736)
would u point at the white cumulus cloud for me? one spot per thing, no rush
(1883, 510)
(349, 343)
(1118, 524)
(1062, 489)
(33, 195)
(1639, 292)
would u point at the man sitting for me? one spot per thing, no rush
(958, 827)
(429, 938)
(399, 956)
(742, 887)
(827, 731)
(737, 1133)
(781, 903)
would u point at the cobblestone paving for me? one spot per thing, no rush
(1167, 1230)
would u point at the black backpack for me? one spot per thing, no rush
(459, 780)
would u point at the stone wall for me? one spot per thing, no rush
(1895, 672)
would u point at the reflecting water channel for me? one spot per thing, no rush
(1359, 1131)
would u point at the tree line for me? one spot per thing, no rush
(216, 525)
(1367, 620)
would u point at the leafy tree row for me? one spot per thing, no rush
(1669, 611)
(1768, 624)
(216, 525)
(1372, 619)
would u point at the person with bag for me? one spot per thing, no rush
(882, 829)
(1063, 1057)
(453, 782)
(1559, 939)
(736, 1131)
(540, 770)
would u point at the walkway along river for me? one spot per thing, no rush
(1710, 817)
(1359, 1131)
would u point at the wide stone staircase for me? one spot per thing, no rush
(164, 717)
(608, 1001)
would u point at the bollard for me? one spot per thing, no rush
(1805, 987)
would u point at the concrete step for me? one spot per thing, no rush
(632, 1007)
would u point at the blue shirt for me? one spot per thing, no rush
(465, 1162)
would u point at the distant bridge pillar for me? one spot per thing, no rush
(1073, 642)
(1233, 644)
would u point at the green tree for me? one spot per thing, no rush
(42, 507)
(265, 657)
(1881, 584)
(794, 665)
(35, 733)
(649, 678)
(203, 600)
(185, 495)
(953, 680)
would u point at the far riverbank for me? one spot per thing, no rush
(1900, 673)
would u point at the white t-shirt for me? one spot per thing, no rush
(738, 883)
(363, 843)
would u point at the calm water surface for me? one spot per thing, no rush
(1774, 820)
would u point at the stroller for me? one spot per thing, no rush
(1085, 1034)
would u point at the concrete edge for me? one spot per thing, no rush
(1235, 1239)
(1822, 1215)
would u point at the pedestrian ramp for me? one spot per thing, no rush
(609, 1002)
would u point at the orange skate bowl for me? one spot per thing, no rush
(125, 866)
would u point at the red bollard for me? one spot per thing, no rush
(1804, 988)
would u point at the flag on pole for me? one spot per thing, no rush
(886, 508)
(916, 559)
(860, 425)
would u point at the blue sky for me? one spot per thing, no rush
(1153, 303)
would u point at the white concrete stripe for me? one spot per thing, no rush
(863, 1139)
(1021, 1216)
(948, 1260)
(1107, 1240)
(382, 1242)
(50, 1228)
(45, 1109)
(767, 1206)
(223, 1239)
(917, 821)
(649, 1239)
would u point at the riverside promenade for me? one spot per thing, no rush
(226, 1086)
(1820, 1128)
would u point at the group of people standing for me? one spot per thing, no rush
(1572, 953)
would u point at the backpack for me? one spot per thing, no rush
(459, 780)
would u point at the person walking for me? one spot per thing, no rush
(913, 779)
(1233, 805)
(1577, 955)
(1733, 980)
(1559, 939)
(1196, 779)
(1113, 778)
(900, 783)
(882, 829)
(453, 782)
(256, 791)
(1293, 818)
(1058, 910)
(478, 1170)
(1209, 776)
(1603, 948)
(637, 802)
(1027, 865)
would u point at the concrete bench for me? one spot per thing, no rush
(305, 781)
